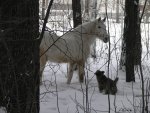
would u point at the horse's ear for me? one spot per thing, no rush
(104, 19)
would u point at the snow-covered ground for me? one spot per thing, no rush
(59, 97)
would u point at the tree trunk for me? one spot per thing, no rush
(93, 16)
(123, 48)
(138, 45)
(123, 55)
(131, 33)
(43, 8)
(86, 17)
(131, 47)
(77, 16)
(117, 11)
(19, 48)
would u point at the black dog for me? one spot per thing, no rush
(106, 84)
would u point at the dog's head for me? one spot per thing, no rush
(100, 75)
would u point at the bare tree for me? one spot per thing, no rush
(43, 8)
(86, 15)
(77, 16)
(19, 50)
(93, 16)
(132, 38)
(117, 11)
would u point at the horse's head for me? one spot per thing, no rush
(101, 31)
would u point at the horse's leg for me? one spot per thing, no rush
(43, 60)
(70, 72)
(81, 71)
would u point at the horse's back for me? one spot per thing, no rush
(66, 48)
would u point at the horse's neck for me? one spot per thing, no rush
(90, 31)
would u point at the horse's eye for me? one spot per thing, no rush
(99, 27)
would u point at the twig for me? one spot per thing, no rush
(108, 55)
(45, 20)
(143, 10)
(142, 79)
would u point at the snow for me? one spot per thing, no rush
(71, 98)
(58, 97)
(2, 110)
(69, 94)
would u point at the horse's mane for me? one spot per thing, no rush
(85, 24)
(86, 27)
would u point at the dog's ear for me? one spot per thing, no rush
(102, 72)
(97, 72)
(116, 79)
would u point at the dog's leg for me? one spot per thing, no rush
(101, 88)
(107, 88)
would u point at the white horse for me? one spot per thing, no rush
(72, 47)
